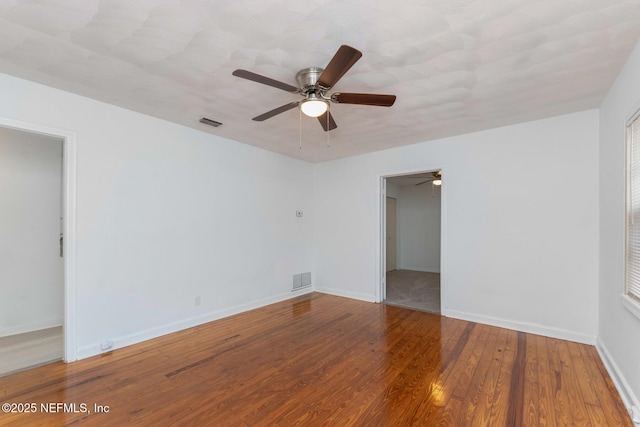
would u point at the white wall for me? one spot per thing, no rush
(393, 190)
(166, 213)
(619, 332)
(520, 225)
(31, 270)
(419, 228)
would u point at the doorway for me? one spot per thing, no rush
(412, 241)
(31, 267)
(40, 291)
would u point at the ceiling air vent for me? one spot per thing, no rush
(210, 122)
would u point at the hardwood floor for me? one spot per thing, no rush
(322, 360)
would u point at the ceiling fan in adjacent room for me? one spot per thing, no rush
(314, 84)
(433, 177)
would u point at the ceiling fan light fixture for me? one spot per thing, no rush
(314, 83)
(314, 106)
(437, 181)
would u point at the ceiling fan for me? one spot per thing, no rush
(314, 83)
(435, 178)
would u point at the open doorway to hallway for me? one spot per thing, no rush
(37, 318)
(31, 260)
(412, 241)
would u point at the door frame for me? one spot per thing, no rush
(381, 232)
(386, 228)
(69, 166)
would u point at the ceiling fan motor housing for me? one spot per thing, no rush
(307, 79)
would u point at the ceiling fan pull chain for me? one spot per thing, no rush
(300, 127)
(327, 133)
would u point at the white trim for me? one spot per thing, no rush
(380, 291)
(138, 337)
(627, 195)
(347, 294)
(633, 116)
(626, 393)
(444, 288)
(69, 188)
(422, 269)
(31, 327)
(530, 328)
(631, 304)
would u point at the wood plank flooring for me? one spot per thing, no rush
(320, 360)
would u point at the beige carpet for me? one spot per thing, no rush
(414, 289)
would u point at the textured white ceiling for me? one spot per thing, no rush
(456, 65)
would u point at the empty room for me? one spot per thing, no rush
(194, 226)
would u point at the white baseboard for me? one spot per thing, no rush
(138, 337)
(530, 328)
(626, 393)
(347, 294)
(30, 327)
(422, 269)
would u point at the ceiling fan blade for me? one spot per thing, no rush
(276, 111)
(323, 121)
(341, 62)
(265, 80)
(364, 99)
(424, 182)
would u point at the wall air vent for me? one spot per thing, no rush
(301, 280)
(210, 122)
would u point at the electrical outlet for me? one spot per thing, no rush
(106, 345)
(197, 301)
